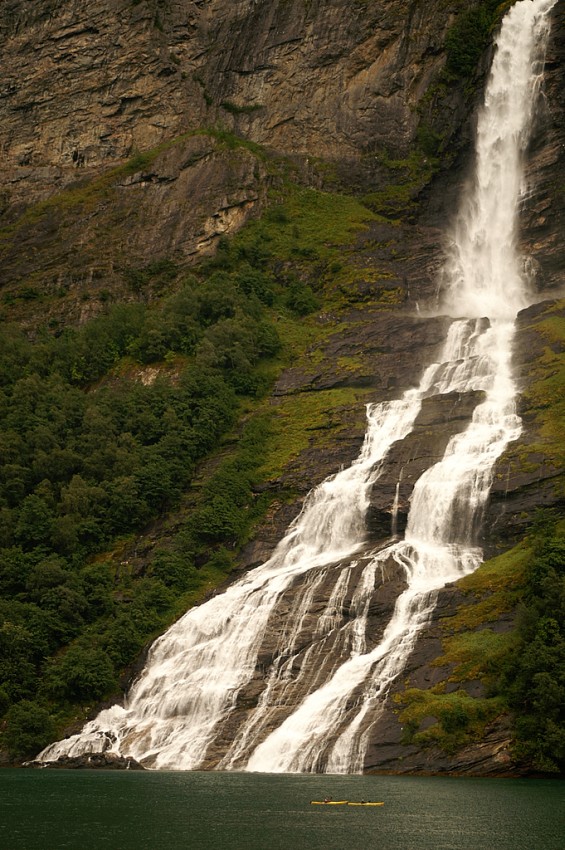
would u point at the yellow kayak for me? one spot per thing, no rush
(342, 803)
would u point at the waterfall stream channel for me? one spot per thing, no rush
(280, 673)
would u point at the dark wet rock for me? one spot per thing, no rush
(489, 757)
(440, 418)
(278, 649)
(374, 349)
(388, 751)
(90, 761)
(530, 474)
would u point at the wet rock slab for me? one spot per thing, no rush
(89, 761)
(440, 418)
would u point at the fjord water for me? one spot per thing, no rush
(319, 708)
(54, 810)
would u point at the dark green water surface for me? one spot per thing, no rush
(52, 810)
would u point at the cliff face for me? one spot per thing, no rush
(88, 84)
(341, 89)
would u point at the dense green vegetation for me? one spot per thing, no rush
(104, 428)
(86, 461)
(533, 676)
(469, 37)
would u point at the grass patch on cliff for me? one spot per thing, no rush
(305, 224)
(408, 176)
(496, 587)
(306, 240)
(448, 720)
(547, 400)
(544, 398)
(90, 191)
(308, 418)
(471, 648)
(472, 652)
(475, 654)
(521, 670)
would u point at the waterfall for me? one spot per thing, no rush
(320, 702)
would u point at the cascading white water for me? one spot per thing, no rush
(437, 549)
(484, 270)
(196, 670)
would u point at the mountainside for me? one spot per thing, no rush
(290, 167)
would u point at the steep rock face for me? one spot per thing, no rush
(302, 653)
(82, 242)
(530, 474)
(543, 215)
(331, 78)
(86, 85)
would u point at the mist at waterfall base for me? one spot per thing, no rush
(165, 810)
(320, 706)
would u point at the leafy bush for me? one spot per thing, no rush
(301, 299)
(29, 728)
(80, 674)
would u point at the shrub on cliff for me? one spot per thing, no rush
(469, 37)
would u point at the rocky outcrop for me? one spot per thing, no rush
(88, 86)
(390, 750)
(372, 350)
(88, 244)
(89, 761)
(440, 418)
(489, 757)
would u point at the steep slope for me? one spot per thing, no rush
(354, 100)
